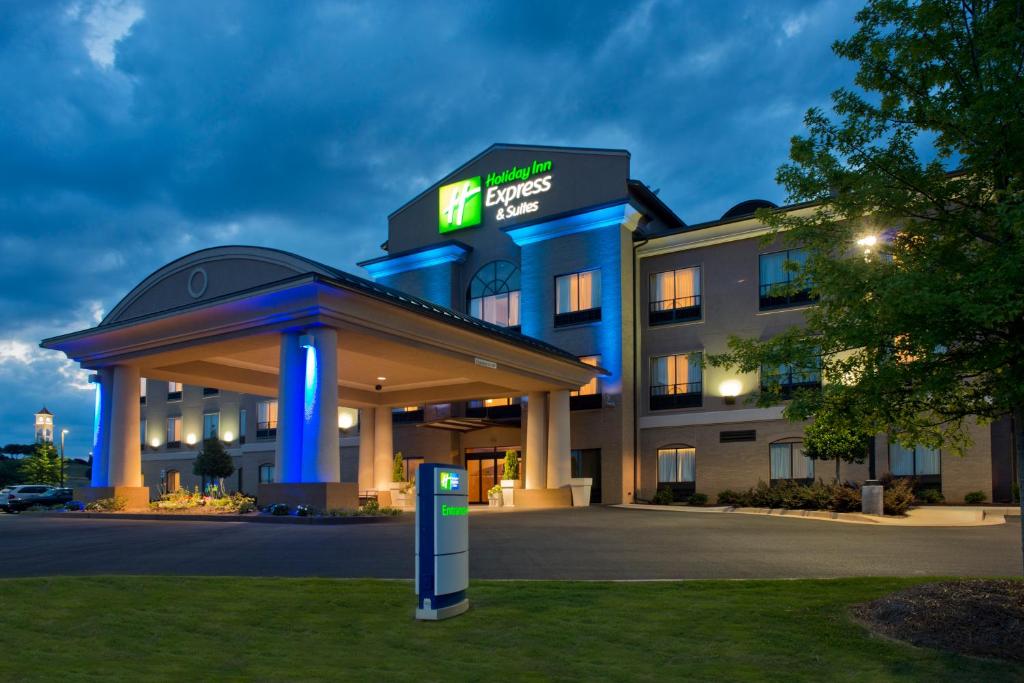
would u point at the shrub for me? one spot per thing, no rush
(398, 468)
(844, 498)
(897, 497)
(511, 465)
(370, 507)
(115, 504)
(278, 509)
(930, 496)
(734, 498)
(305, 511)
(698, 499)
(494, 490)
(74, 506)
(182, 499)
(975, 497)
(663, 496)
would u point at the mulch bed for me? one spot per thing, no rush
(983, 617)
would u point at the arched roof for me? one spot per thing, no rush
(748, 207)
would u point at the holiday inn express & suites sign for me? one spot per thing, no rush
(507, 193)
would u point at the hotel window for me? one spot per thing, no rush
(789, 462)
(677, 470)
(588, 396)
(266, 474)
(778, 283)
(210, 391)
(174, 390)
(142, 391)
(785, 378)
(407, 414)
(676, 381)
(494, 408)
(243, 419)
(578, 298)
(918, 461)
(211, 425)
(174, 432)
(142, 432)
(675, 296)
(493, 294)
(266, 420)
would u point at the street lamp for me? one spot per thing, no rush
(63, 432)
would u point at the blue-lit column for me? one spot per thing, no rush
(321, 461)
(103, 379)
(290, 407)
(559, 454)
(536, 467)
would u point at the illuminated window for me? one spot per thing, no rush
(787, 377)
(676, 381)
(174, 390)
(789, 462)
(590, 388)
(677, 465)
(174, 431)
(578, 297)
(494, 294)
(675, 296)
(142, 390)
(266, 473)
(243, 420)
(266, 417)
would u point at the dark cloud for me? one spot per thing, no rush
(135, 132)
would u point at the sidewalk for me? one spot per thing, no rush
(928, 516)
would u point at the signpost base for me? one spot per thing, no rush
(426, 613)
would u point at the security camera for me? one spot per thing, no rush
(379, 387)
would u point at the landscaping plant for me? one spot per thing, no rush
(398, 468)
(975, 497)
(663, 496)
(511, 469)
(115, 504)
(213, 462)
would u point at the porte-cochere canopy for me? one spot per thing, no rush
(271, 323)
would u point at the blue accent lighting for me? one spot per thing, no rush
(425, 258)
(596, 219)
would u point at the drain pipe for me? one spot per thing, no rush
(636, 372)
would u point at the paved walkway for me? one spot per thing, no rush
(582, 543)
(936, 515)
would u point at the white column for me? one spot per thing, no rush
(321, 460)
(536, 441)
(125, 455)
(383, 449)
(559, 456)
(104, 380)
(288, 460)
(367, 424)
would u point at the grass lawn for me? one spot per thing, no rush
(173, 628)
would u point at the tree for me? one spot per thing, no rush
(915, 233)
(825, 440)
(213, 462)
(42, 466)
(19, 448)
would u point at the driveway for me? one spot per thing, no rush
(583, 543)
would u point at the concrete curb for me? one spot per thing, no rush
(250, 518)
(917, 517)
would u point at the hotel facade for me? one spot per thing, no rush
(530, 285)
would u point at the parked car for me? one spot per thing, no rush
(51, 497)
(23, 492)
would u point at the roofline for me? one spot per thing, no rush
(343, 280)
(507, 145)
(734, 219)
(654, 202)
(415, 250)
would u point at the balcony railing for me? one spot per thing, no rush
(509, 412)
(266, 431)
(173, 395)
(585, 402)
(587, 315)
(669, 396)
(677, 310)
(786, 385)
(173, 444)
(407, 416)
(773, 295)
(209, 391)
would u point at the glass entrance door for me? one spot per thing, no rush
(485, 467)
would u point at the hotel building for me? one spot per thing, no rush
(547, 266)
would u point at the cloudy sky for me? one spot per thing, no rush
(135, 132)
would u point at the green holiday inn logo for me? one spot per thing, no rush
(460, 205)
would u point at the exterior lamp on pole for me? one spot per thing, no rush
(63, 433)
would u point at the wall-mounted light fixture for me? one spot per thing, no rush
(730, 389)
(229, 437)
(190, 439)
(154, 442)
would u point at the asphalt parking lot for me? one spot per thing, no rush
(583, 543)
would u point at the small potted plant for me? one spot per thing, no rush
(494, 498)
(510, 479)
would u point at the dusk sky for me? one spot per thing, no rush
(133, 133)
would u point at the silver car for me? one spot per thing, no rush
(22, 492)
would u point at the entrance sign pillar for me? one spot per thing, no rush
(367, 423)
(320, 459)
(442, 541)
(290, 385)
(536, 441)
(559, 449)
(383, 450)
